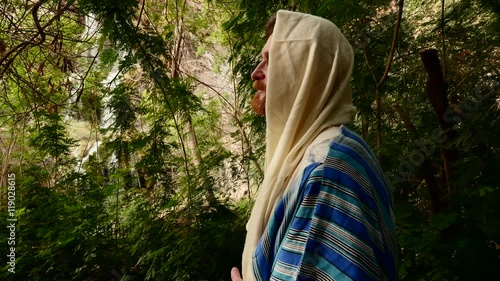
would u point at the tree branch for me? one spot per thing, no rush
(406, 120)
(34, 13)
(15, 51)
(378, 97)
(393, 45)
(82, 85)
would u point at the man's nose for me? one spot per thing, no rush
(258, 74)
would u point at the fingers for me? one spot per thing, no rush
(235, 274)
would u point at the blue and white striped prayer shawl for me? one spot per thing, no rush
(334, 224)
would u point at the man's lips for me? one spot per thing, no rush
(258, 86)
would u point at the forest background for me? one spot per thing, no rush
(127, 137)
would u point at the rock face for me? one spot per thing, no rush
(214, 82)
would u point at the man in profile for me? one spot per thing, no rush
(324, 209)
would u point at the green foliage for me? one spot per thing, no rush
(121, 108)
(115, 17)
(187, 248)
(50, 137)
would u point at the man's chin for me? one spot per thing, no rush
(259, 103)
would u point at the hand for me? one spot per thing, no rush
(235, 274)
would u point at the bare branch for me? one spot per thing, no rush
(34, 13)
(15, 51)
(393, 45)
(82, 85)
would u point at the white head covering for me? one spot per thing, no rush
(308, 91)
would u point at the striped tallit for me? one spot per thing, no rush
(335, 223)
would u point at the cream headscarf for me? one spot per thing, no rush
(308, 91)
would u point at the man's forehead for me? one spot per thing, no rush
(267, 46)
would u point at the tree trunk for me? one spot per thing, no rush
(437, 93)
(192, 143)
(426, 170)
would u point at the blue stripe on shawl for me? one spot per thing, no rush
(379, 188)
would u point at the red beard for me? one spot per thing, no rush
(259, 103)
